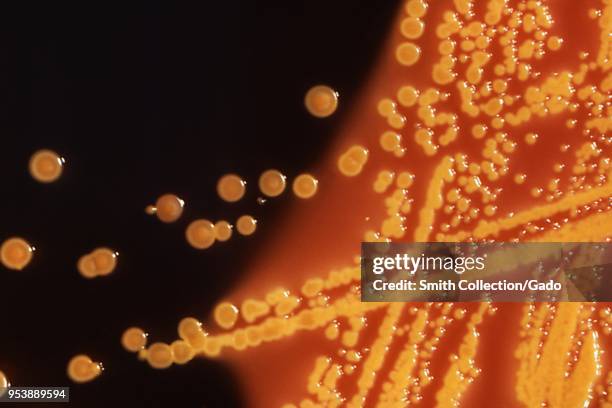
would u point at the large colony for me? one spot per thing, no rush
(480, 138)
(82, 369)
(16, 253)
(46, 166)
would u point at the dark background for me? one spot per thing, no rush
(144, 98)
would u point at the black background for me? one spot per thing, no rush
(144, 98)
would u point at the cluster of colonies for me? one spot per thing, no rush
(491, 68)
(202, 233)
(465, 132)
(47, 166)
(466, 136)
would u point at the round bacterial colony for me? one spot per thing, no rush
(272, 183)
(246, 225)
(46, 166)
(305, 186)
(168, 208)
(223, 230)
(200, 234)
(321, 101)
(16, 253)
(134, 339)
(82, 369)
(231, 188)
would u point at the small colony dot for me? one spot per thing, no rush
(226, 315)
(321, 101)
(231, 188)
(558, 167)
(459, 314)
(305, 186)
(134, 339)
(490, 210)
(531, 138)
(200, 234)
(554, 43)
(223, 230)
(16, 253)
(159, 355)
(246, 225)
(520, 178)
(479, 131)
(272, 183)
(82, 369)
(168, 208)
(4, 383)
(100, 262)
(46, 166)
(405, 179)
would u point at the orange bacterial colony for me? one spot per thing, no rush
(200, 234)
(246, 225)
(100, 262)
(168, 208)
(272, 183)
(482, 121)
(305, 186)
(231, 187)
(134, 339)
(46, 166)
(82, 369)
(321, 101)
(16, 253)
